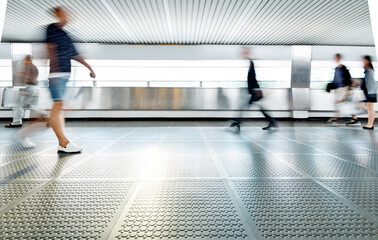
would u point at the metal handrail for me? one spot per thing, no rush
(149, 82)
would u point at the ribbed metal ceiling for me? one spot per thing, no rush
(268, 22)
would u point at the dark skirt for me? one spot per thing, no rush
(371, 98)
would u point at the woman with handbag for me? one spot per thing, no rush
(370, 89)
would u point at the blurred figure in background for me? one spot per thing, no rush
(256, 95)
(61, 50)
(341, 83)
(26, 76)
(370, 89)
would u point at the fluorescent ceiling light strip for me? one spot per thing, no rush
(106, 4)
(168, 19)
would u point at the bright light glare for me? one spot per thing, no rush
(184, 73)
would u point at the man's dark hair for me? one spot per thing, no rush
(338, 55)
(55, 10)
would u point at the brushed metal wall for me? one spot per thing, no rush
(173, 102)
(141, 98)
(300, 80)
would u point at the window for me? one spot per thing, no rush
(43, 71)
(322, 72)
(6, 72)
(181, 73)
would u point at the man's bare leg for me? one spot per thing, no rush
(57, 123)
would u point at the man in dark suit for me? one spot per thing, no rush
(256, 95)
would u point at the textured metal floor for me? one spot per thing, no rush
(191, 180)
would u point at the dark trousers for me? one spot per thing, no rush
(254, 100)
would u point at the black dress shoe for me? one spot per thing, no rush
(234, 123)
(271, 126)
(367, 128)
(235, 126)
(10, 125)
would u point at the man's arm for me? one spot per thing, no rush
(81, 60)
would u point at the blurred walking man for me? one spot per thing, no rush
(256, 96)
(26, 76)
(342, 83)
(61, 50)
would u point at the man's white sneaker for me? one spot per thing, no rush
(26, 143)
(70, 148)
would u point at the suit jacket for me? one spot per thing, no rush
(252, 81)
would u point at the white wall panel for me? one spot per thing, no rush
(5, 51)
(349, 53)
(171, 52)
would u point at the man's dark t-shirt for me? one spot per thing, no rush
(64, 50)
(342, 77)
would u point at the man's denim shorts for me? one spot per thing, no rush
(58, 87)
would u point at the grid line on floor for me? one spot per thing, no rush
(192, 180)
(51, 181)
(368, 215)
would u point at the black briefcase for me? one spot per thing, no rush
(330, 86)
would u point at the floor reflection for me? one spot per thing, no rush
(191, 180)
